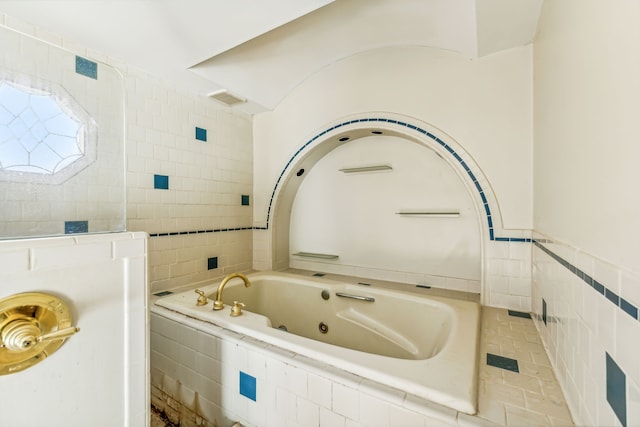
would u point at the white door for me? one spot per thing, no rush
(98, 376)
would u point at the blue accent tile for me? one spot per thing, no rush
(598, 287)
(86, 68)
(588, 279)
(502, 362)
(161, 182)
(163, 293)
(629, 308)
(611, 296)
(544, 311)
(201, 134)
(248, 386)
(75, 227)
(245, 200)
(212, 263)
(519, 314)
(616, 390)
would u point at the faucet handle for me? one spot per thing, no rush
(236, 310)
(202, 299)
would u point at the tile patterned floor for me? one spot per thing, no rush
(531, 397)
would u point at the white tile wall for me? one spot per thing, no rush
(507, 273)
(583, 326)
(291, 390)
(206, 179)
(95, 193)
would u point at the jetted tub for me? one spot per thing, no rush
(425, 346)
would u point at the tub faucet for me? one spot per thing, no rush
(218, 304)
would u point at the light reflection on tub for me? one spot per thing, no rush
(425, 346)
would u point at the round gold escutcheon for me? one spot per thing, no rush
(33, 325)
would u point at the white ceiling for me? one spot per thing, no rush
(260, 49)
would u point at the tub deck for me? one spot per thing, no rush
(531, 397)
(448, 378)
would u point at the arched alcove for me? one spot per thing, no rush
(363, 126)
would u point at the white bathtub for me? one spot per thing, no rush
(425, 346)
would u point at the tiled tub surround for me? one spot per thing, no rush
(292, 389)
(425, 346)
(194, 370)
(586, 312)
(507, 273)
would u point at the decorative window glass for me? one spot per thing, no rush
(44, 134)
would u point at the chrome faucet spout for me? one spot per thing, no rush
(218, 304)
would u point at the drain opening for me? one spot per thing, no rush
(323, 327)
(283, 328)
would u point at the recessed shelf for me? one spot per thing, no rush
(433, 213)
(315, 255)
(372, 168)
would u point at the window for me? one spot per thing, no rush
(41, 134)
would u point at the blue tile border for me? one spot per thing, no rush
(615, 299)
(443, 144)
(212, 230)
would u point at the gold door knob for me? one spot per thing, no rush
(32, 327)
